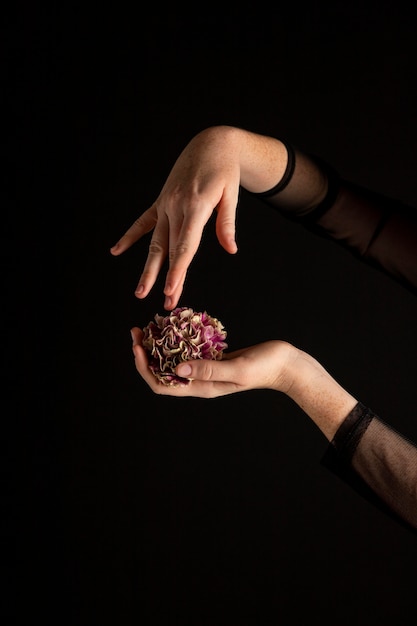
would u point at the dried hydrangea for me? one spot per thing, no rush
(182, 335)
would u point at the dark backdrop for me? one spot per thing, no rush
(130, 508)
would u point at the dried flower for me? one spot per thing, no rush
(180, 336)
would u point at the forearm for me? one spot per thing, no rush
(382, 231)
(374, 459)
(317, 393)
(378, 462)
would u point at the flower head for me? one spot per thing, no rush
(182, 335)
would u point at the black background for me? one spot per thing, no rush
(126, 507)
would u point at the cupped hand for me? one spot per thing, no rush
(262, 366)
(204, 179)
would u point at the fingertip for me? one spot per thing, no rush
(173, 291)
(232, 246)
(113, 250)
(171, 299)
(228, 242)
(138, 355)
(139, 291)
(134, 336)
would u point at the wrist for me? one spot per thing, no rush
(263, 162)
(262, 159)
(317, 393)
(286, 370)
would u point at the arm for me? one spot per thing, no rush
(379, 230)
(370, 456)
(378, 462)
(207, 178)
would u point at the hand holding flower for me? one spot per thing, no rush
(257, 367)
(275, 365)
(183, 334)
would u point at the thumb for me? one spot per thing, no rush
(206, 369)
(185, 370)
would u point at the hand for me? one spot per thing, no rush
(205, 178)
(275, 365)
(262, 366)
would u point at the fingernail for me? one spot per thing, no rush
(139, 290)
(184, 370)
(168, 301)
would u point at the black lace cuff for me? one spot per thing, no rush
(350, 432)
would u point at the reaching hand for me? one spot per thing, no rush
(205, 178)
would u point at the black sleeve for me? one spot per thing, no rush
(378, 462)
(379, 230)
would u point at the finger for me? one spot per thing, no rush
(172, 300)
(144, 224)
(226, 221)
(141, 358)
(227, 371)
(158, 248)
(182, 250)
(137, 336)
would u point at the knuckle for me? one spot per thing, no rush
(180, 249)
(155, 247)
(145, 221)
(228, 221)
(139, 223)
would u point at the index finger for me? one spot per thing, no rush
(142, 225)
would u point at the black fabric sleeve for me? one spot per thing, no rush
(376, 461)
(379, 230)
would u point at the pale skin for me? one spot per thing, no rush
(275, 365)
(206, 178)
